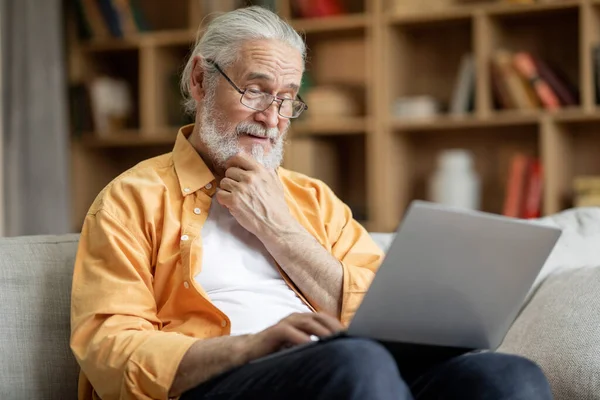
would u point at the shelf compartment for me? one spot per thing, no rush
(551, 34)
(339, 161)
(492, 149)
(425, 59)
(570, 150)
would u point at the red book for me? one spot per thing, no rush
(515, 188)
(533, 196)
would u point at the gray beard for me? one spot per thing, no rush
(221, 139)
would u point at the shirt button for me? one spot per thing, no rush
(223, 323)
(185, 237)
(187, 190)
(197, 211)
(208, 186)
(186, 285)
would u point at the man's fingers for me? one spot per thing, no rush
(315, 323)
(332, 324)
(243, 161)
(224, 198)
(237, 174)
(293, 335)
(228, 184)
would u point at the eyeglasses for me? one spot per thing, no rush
(261, 101)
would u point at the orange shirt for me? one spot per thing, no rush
(136, 307)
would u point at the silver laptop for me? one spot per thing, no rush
(453, 278)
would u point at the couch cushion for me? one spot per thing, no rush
(35, 289)
(560, 330)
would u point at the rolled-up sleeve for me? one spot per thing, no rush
(352, 245)
(115, 332)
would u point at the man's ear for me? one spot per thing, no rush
(197, 89)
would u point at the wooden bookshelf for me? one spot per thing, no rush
(386, 49)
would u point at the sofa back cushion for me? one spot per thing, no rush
(35, 289)
(560, 330)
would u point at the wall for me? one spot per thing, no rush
(1, 141)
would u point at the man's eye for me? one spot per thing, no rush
(253, 93)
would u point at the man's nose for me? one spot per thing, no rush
(270, 116)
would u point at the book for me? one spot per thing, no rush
(515, 85)
(524, 64)
(500, 92)
(138, 16)
(317, 8)
(596, 61)
(84, 30)
(534, 190)
(587, 200)
(94, 16)
(464, 89)
(111, 17)
(586, 184)
(516, 186)
(126, 18)
(566, 93)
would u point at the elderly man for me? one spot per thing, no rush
(196, 265)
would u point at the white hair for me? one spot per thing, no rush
(223, 37)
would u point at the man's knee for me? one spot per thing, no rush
(360, 356)
(513, 377)
(363, 366)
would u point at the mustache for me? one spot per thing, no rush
(257, 130)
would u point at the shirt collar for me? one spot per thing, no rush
(192, 172)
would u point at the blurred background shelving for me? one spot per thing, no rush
(368, 60)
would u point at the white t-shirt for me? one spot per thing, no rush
(240, 276)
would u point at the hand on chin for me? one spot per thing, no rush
(254, 196)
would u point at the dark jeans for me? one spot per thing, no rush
(362, 369)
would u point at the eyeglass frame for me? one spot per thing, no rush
(275, 98)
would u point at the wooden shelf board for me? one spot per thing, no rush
(130, 138)
(501, 8)
(454, 14)
(496, 119)
(156, 38)
(577, 115)
(331, 24)
(465, 122)
(338, 126)
(465, 12)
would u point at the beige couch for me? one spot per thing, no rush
(559, 327)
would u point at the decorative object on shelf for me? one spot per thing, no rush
(587, 191)
(317, 8)
(99, 19)
(455, 182)
(418, 107)
(463, 96)
(524, 188)
(328, 101)
(111, 104)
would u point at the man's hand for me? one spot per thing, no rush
(293, 330)
(254, 196)
(208, 358)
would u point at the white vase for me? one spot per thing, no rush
(455, 182)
